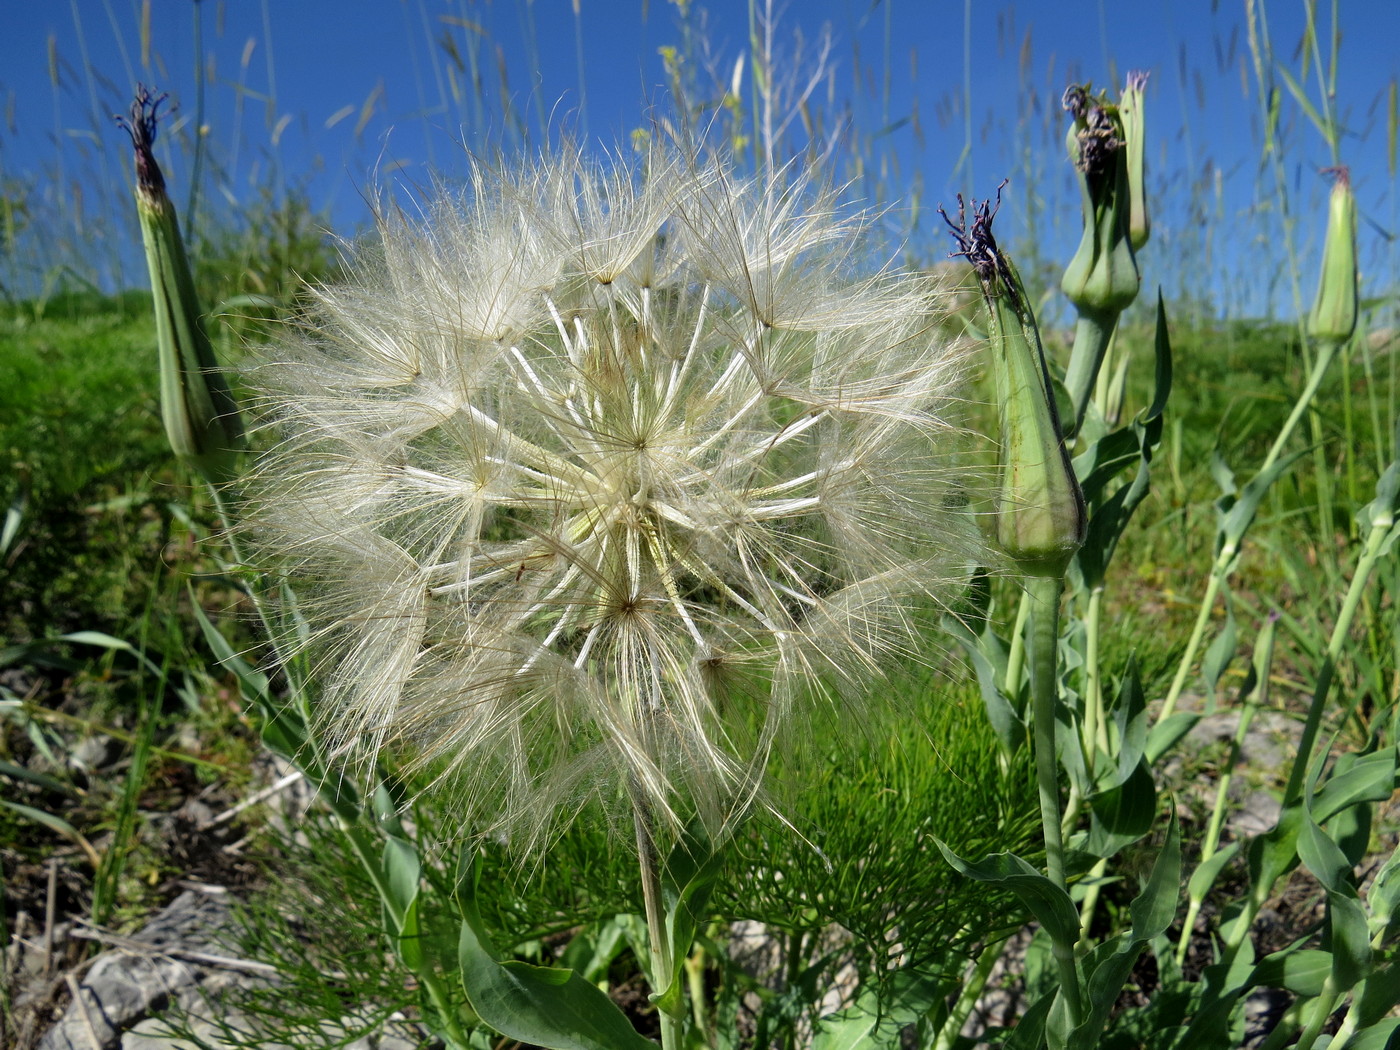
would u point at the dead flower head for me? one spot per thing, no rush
(592, 476)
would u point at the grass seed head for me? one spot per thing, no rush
(594, 477)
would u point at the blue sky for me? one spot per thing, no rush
(947, 95)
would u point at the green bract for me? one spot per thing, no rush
(1132, 113)
(1333, 316)
(201, 418)
(1103, 275)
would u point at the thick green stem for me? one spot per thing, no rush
(659, 940)
(1044, 651)
(1322, 1008)
(1045, 616)
(1092, 334)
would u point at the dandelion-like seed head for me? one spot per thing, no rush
(592, 477)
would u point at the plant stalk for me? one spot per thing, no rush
(660, 942)
(1045, 635)
(1092, 334)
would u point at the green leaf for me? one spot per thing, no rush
(1305, 104)
(402, 872)
(1203, 878)
(592, 950)
(1220, 653)
(874, 1021)
(1123, 814)
(1029, 1032)
(42, 780)
(1322, 857)
(687, 877)
(1301, 972)
(57, 824)
(1109, 966)
(1235, 513)
(1382, 1036)
(1370, 779)
(107, 641)
(1377, 995)
(1384, 894)
(1275, 853)
(1050, 904)
(987, 652)
(547, 1006)
(1351, 941)
(1168, 733)
(252, 682)
(1155, 907)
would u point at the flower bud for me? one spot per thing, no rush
(1040, 515)
(1133, 116)
(1103, 275)
(1333, 317)
(201, 417)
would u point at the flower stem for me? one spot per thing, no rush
(1092, 334)
(660, 942)
(1045, 615)
(1045, 634)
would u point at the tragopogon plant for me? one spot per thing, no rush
(594, 478)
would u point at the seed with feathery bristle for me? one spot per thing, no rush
(593, 475)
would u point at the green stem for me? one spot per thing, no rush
(1327, 350)
(660, 941)
(1091, 899)
(1016, 652)
(365, 851)
(1095, 733)
(1218, 572)
(1045, 600)
(1092, 334)
(1322, 1008)
(1256, 698)
(1044, 651)
(972, 987)
(1375, 543)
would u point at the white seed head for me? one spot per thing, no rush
(593, 478)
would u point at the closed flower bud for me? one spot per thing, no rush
(1103, 275)
(1040, 515)
(1333, 317)
(201, 417)
(1133, 115)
